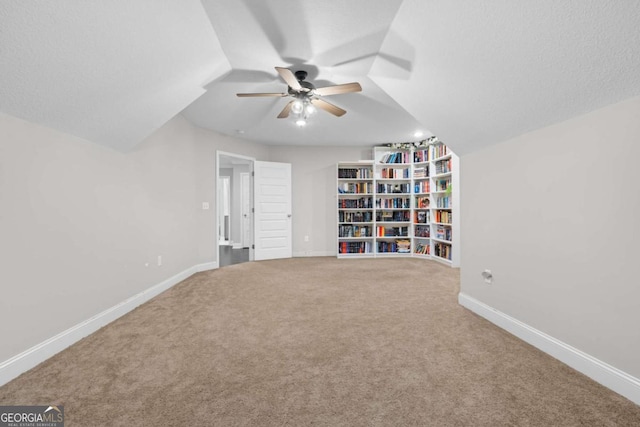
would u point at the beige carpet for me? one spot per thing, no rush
(314, 341)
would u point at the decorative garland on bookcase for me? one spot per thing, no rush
(406, 145)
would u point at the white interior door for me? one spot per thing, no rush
(272, 202)
(245, 202)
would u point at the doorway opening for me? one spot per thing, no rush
(234, 188)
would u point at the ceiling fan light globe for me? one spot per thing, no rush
(309, 109)
(297, 107)
(301, 122)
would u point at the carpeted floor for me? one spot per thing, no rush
(314, 341)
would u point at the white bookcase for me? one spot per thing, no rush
(404, 202)
(356, 225)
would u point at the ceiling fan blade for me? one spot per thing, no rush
(288, 76)
(338, 89)
(330, 108)
(244, 95)
(285, 111)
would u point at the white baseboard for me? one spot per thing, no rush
(206, 266)
(610, 377)
(12, 368)
(302, 254)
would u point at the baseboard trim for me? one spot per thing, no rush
(17, 365)
(603, 373)
(303, 254)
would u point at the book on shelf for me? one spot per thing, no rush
(443, 166)
(421, 172)
(355, 173)
(361, 203)
(388, 188)
(393, 203)
(421, 187)
(354, 247)
(346, 216)
(443, 232)
(439, 150)
(444, 217)
(394, 173)
(393, 216)
(422, 202)
(421, 155)
(422, 248)
(443, 202)
(355, 188)
(421, 217)
(422, 231)
(386, 231)
(443, 184)
(403, 246)
(442, 250)
(396, 157)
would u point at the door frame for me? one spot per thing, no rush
(240, 159)
(246, 223)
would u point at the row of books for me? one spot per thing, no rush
(443, 184)
(421, 217)
(421, 172)
(382, 231)
(439, 150)
(399, 246)
(354, 247)
(421, 187)
(355, 188)
(443, 166)
(396, 157)
(443, 233)
(422, 202)
(355, 173)
(422, 248)
(443, 202)
(393, 216)
(422, 231)
(395, 203)
(362, 203)
(394, 188)
(394, 173)
(354, 231)
(445, 217)
(442, 250)
(421, 155)
(355, 216)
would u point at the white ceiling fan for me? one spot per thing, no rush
(306, 95)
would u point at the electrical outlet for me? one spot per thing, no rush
(306, 238)
(487, 276)
(205, 206)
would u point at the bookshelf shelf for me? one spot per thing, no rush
(406, 198)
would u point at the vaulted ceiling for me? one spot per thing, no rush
(472, 73)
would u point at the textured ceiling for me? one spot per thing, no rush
(473, 73)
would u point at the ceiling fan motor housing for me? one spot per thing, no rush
(301, 75)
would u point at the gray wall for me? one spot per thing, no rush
(554, 214)
(78, 221)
